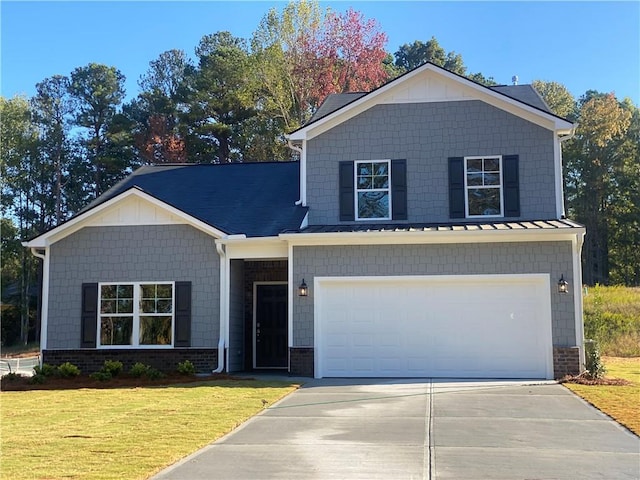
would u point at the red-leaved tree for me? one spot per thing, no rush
(349, 51)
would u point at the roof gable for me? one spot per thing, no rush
(430, 83)
(130, 207)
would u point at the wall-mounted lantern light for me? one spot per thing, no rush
(303, 290)
(563, 285)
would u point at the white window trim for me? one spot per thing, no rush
(468, 187)
(136, 315)
(356, 190)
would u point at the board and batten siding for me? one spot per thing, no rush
(133, 254)
(554, 258)
(426, 135)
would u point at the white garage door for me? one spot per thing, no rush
(496, 326)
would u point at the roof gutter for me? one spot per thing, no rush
(303, 171)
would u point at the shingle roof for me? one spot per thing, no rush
(523, 93)
(256, 199)
(333, 102)
(449, 227)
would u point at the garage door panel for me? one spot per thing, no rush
(495, 326)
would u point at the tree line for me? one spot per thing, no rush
(235, 101)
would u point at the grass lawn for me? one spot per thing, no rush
(619, 402)
(127, 433)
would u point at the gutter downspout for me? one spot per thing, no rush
(561, 180)
(44, 301)
(223, 304)
(578, 305)
(303, 172)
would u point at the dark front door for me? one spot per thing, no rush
(271, 326)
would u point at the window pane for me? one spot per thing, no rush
(474, 179)
(365, 183)
(155, 330)
(125, 306)
(108, 306)
(380, 182)
(492, 179)
(365, 169)
(116, 330)
(381, 168)
(491, 165)
(373, 204)
(485, 201)
(164, 306)
(148, 290)
(125, 291)
(108, 291)
(474, 165)
(164, 291)
(148, 306)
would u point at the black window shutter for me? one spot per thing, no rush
(456, 187)
(89, 321)
(347, 209)
(510, 176)
(399, 189)
(183, 315)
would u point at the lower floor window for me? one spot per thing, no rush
(136, 314)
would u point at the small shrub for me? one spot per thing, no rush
(38, 379)
(45, 370)
(186, 368)
(139, 369)
(11, 377)
(593, 362)
(154, 374)
(101, 376)
(114, 367)
(68, 370)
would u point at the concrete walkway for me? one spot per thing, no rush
(421, 429)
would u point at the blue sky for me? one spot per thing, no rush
(584, 45)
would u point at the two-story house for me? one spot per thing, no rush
(421, 234)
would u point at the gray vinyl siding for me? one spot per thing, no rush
(236, 316)
(133, 254)
(554, 258)
(426, 135)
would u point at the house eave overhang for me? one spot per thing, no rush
(476, 92)
(84, 219)
(436, 235)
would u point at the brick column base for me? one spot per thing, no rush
(566, 361)
(90, 360)
(301, 361)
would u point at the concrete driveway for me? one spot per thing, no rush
(421, 429)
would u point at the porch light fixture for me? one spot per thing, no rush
(303, 290)
(563, 285)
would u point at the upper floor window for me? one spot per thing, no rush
(483, 186)
(373, 190)
(136, 314)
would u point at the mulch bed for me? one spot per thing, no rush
(585, 379)
(121, 381)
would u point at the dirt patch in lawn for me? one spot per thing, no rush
(21, 383)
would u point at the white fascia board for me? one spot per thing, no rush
(255, 248)
(76, 223)
(476, 91)
(437, 237)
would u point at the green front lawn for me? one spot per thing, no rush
(621, 402)
(127, 433)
